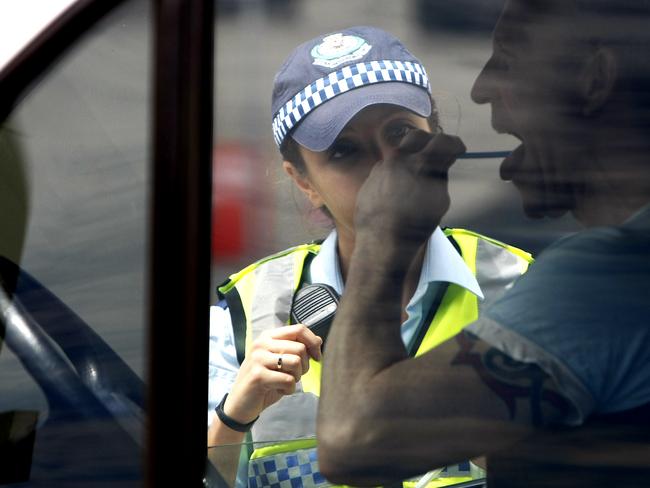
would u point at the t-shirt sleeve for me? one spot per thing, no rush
(542, 319)
(223, 365)
(521, 349)
(581, 314)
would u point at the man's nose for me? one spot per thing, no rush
(484, 88)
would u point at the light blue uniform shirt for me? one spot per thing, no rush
(442, 263)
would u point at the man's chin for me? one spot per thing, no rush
(533, 212)
(539, 211)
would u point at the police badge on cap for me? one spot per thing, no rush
(338, 49)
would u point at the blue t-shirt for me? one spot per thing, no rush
(582, 313)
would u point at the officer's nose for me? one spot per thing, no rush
(484, 89)
(383, 151)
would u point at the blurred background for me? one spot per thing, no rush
(81, 138)
(452, 39)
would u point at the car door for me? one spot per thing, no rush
(105, 147)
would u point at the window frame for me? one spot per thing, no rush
(179, 261)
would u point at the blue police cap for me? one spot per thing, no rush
(326, 81)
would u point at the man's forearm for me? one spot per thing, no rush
(365, 336)
(364, 340)
(384, 416)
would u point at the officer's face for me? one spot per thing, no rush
(532, 83)
(333, 177)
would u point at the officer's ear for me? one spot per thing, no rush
(597, 80)
(303, 183)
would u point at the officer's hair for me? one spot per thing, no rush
(290, 149)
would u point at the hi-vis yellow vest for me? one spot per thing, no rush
(259, 298)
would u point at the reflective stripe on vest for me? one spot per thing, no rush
(494, 264)
(298, 467)
(266, 289)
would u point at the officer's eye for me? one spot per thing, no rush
(342, 149)
(394, 133)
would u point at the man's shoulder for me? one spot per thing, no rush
(598, 248)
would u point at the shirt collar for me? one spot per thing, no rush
(321, 269)
(441, 263)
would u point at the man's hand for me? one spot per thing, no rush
(404, 198)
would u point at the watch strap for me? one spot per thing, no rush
(229, 421)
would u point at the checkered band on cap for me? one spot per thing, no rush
(341, 81)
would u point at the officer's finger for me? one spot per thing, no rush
(300, 333)
(278, 381)
(283, 384)
(287, 364)
(295, 348)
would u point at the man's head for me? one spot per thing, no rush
(569, 79)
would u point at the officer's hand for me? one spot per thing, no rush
(262, 380)
(405, 197)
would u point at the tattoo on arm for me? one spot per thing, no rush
(510, 379)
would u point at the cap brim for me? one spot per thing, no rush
(319, 129)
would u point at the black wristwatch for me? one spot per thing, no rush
(230, 422)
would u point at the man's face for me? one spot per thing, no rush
(531, 81)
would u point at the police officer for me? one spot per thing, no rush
(342, 103)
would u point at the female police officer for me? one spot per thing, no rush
(341, 103)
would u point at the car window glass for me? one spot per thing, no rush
(258, 211)
(75, 223)
(545, 172)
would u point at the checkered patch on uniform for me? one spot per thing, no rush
(295, 469)
(343, 80)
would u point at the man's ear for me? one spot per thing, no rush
(598, 77)
(303, 184)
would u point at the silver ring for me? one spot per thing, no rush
(279, 363)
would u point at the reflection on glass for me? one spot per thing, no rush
(328, 162)
(536, 373)
(72, 261)
(554, 370)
